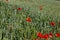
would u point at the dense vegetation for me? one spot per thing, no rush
(22, 22)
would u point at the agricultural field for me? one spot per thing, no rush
(29, 19)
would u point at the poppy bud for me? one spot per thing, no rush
(52, 23)
(28, 19)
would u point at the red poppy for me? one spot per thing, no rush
(40, 35)
(19, 9)
(52, 23)
(58, 22)
(50, 35)
(46, 36)
(28, 19)
(57, 34)
(41, 7)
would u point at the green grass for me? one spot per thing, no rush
(11, 17)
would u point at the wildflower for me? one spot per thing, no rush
(19, 9)
(58, 22)
(46, 36)
(50, 35)
(40, 35)
(28, 19)
(57, 34)
(52, 23)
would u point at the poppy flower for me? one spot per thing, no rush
(28, 19)
(40, 35)
(19, 9)
(52, 23)
(41, 7)
(46, 36)
(58, 22)
(57, 34)
(50, 35)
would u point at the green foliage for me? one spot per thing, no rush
(15, 27)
